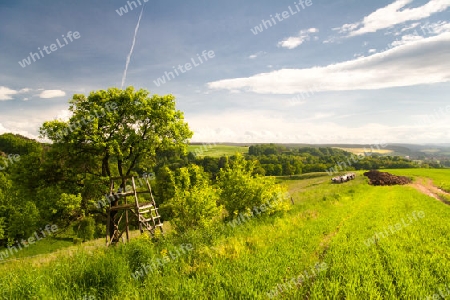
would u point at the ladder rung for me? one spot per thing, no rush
(150, 219)
(147, 210)
(145, 206)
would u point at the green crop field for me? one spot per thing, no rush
(216, 150)
(439, 177)
(339, 241)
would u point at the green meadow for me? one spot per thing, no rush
(216, 150)
(339, 241)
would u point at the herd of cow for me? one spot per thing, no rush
(343, 178)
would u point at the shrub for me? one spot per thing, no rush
(85, 229)
(241, 192)
(100, 230)
(194, 204)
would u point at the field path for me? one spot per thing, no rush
(425, 186)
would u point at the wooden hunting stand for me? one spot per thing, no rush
(146, 214)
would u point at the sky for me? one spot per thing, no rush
(286, 71)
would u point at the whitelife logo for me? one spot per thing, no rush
(53, 47)
(37, 236)
(187, 67)
(124, 9)
(266, 24)
(393, 229)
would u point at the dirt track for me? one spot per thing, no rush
(425, 186)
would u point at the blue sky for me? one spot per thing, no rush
(321, 72)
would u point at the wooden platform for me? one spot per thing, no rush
(146, 214)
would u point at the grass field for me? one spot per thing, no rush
(368, 150)
(216, 150)
(440, 177)
(339, 241)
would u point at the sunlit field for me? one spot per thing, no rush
(342, 241)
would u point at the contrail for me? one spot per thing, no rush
(132, 47)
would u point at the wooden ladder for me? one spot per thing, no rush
(147, 214)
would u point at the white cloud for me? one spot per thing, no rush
(406, 28)
(420, 62)
(253, 56)
(435, 28)
(23, 128)
(372, 51)
(3, 129)
(5, 93)
(321, 115)
(292, 42)
(393, 14)
(46, 94)
(64, 115)
(407, 39)
(295, 41)
(265, 127)
(293, 102)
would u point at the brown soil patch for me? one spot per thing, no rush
(385, 178)
(425, 186)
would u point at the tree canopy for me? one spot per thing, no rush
(120, 127)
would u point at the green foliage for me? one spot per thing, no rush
(100, 230)
(2, 228)
(279, 160)
(18, 144)
(194, 204)
(120, 127)
(68, 206)
(139, 252)
(85, 229)
(56, 206)
(24, 221)
(111, 133)
(241, 192)
(165, 185)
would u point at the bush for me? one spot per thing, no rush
(23, 221)
(241, 192)
(195, 202)
(100, 230)
(85, 229)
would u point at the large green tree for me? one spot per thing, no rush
(115, 132)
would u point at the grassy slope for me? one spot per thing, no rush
(329, 223)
